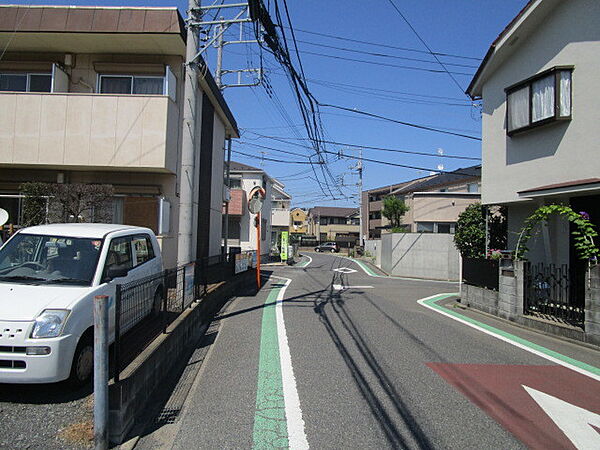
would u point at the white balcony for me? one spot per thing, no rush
(88, 131)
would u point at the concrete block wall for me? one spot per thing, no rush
(480, 298)
(373, 246)
(420, 255)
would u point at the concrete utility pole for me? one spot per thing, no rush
(188, 147)
(219, 46)
(228, 182)
(359, 168)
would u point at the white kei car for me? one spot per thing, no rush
(49, 276)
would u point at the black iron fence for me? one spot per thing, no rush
(145, 308)
(554, 292)
(480, 272)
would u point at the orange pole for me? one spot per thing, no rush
(258, 251)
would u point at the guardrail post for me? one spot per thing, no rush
(117, 343)
(101, 372)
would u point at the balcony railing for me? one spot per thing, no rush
(100, 131)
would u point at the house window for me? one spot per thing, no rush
(539, 100)
(235, 183)
(128, 84)
(472, 187)
(26, 82)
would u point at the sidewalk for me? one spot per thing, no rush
(216, 409)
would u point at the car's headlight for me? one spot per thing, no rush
(50, 323)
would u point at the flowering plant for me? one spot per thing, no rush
(494, 254)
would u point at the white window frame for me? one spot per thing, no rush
(528, 83)
(28, 80)
(132, 77)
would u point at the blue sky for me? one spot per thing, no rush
(388, 86)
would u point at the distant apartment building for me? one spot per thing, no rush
(434, 202)
(329, 223)
(94, 95)
(242, 229)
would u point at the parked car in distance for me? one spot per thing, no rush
(327, 247)
(49, 276)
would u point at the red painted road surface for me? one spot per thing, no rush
(499, 391)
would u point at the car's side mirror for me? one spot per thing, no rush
(116, 272)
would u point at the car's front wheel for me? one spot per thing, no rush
(83, 361)
(317, 250)
(333, 250)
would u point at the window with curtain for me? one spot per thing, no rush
(131, 84)
(534, 101)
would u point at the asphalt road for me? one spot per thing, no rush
(372, 368)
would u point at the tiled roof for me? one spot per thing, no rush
(442, 179)
(332, 211)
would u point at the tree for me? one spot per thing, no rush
(393, 210)
(61, 203)
(35, 203)
(469, 237)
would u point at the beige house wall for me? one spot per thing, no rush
(555, 153)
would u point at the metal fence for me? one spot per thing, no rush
(145, 308)
(481, 272)
(554, 292)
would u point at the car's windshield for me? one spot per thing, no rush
(33, 258)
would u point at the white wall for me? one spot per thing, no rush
(558, 152)
(373, 246)
(420, 255)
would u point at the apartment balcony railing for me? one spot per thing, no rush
(88, 131)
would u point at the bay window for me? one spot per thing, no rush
(538, 100)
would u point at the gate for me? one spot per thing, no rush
(554, 292)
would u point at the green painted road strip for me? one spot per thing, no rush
(270, 428)
(578, 366)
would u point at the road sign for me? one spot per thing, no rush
(284, 245)
(256, 198)
(543, 406)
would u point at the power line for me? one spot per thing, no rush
(383, 149)
(378, 44)
(396, 66)
(405, 166)
(422, 127)
(271, 159)
(382, 55)
(426, 46)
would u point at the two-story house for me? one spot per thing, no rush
(242, 229)
(298, 222)
(538, 84)
(330, 223)
(434, 202)
(94, 95)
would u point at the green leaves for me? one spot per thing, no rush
(393, 210)
(582, 237)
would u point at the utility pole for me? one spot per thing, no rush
(228, 182)
(359, 168)
(219, 47)
(188, 151)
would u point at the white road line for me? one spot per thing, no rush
(507, 339)
(339, 287)
(293, 413)
(309, 261)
